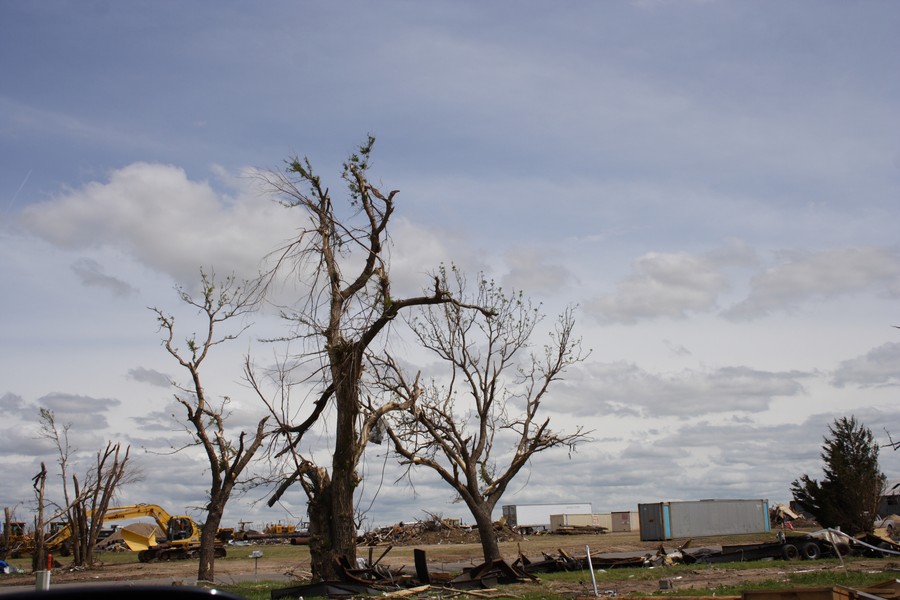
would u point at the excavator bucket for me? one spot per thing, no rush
(138, 541)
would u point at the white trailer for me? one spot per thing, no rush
(537, 516)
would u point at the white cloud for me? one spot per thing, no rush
(84, 413)
(166, 221)
(663, 285)
(418, 250)
(626, 389)
(677, 285)
(881, 366)
(535, 271)
(802, 276)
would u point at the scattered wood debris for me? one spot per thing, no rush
(433, 530)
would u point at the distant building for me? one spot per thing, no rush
(890, 501)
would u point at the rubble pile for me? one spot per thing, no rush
(434, 530)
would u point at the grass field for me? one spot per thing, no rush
(567, 585)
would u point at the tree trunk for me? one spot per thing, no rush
(206, 569)
(4, 540)
(337, 506)
(331, 517)
(39, 557)
(78, 524)
(322, 556)
(343, 482)
(489, 546)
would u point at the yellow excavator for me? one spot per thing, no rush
(182, 534)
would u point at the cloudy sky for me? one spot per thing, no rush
(714, 184)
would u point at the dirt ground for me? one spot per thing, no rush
(291, 563)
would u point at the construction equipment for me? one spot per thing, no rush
(182, 534)
(14, 539)
(19, 541)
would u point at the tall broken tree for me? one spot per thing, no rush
(339, 257)
(39, 555)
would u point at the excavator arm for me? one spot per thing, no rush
(134, 511)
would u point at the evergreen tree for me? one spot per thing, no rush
(849, 493)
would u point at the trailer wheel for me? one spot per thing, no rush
(811, 551)
(790, 552)
(843, 548)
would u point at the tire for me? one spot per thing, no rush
(790, 552)
(811, 551)
(843, 548)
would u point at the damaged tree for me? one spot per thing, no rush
(340, 257)
(39, 555)
(219, 304)
(86, 502)
(491, 405)
(89, 509)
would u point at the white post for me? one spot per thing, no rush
(42, 583)
(587, 549)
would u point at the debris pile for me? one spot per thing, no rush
(368, 578)
(433, 530)
(580, 530)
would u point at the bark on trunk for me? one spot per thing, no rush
(322, 557)
(336, 507)
(39, 558)
(206, 569)
(489, 546)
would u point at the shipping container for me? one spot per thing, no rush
(673, 520)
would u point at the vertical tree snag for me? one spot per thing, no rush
(339, 256)
(39, 556)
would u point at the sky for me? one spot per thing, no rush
(713, 184)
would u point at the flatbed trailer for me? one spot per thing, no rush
(790, 548)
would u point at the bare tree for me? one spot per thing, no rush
(111, 470)
(50, 431)
(218, 304)
(340, 256)
(489, 411)
(85, 505)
